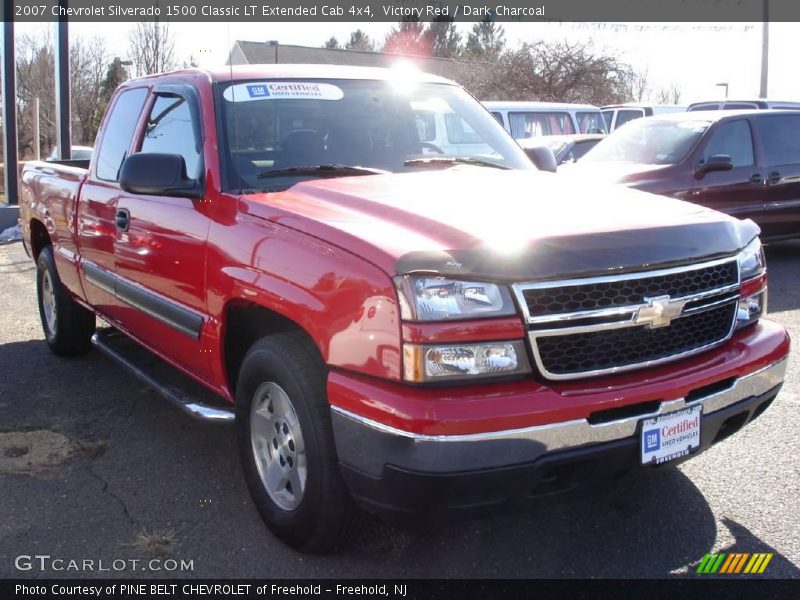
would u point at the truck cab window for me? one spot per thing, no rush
(119, 133)
(169, 131)
(732, 139)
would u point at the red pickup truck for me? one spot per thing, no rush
(417, 329)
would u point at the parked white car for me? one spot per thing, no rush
(443, 131)
(78, 153)
(616, 115)
(532, 119)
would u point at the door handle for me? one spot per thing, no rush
(123, 219)
(756, 178)
(774, 176)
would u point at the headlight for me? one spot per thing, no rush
(430, 298)
(751, 309)
(463, 361)
(751, 260)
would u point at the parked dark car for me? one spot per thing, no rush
(744, 163)
(566, 148)
(742, 105)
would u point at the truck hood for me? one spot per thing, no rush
(501, 225)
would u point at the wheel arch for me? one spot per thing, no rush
(40, 238)
(244, 323)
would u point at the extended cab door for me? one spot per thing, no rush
(779, 139)
(97, 205)
(739, 191)
(160, 248)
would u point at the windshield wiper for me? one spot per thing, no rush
(322, 171)
(450, 160)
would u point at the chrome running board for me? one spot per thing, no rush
(103, 340)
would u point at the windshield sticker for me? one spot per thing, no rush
(279, 90)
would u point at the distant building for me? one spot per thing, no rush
(252, 53)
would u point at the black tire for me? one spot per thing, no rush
(70, 332)
(324, 516)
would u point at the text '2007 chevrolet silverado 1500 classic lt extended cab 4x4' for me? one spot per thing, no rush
(413, 329)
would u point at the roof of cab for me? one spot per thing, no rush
(308, 71)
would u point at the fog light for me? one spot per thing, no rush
(751, 309)
(464, 361)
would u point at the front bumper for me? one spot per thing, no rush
(394, 471)
(404, 496)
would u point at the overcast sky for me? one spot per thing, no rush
(695, 57)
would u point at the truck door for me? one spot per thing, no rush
(97, 205)
(779, 138)
(160, 245)
(739, 191)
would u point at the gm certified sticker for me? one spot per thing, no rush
(277, 90)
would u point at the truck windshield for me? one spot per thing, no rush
(648, 141)
(273, 127)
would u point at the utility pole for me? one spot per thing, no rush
(9, 104)
(63, 108)
(764, 52)
(37, 148)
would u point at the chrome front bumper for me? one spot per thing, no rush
(368, 446)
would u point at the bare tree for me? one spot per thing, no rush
(152, 48)
(638, 85)
(88, 65)
(35, 79)
(552, 71)
(670, 94)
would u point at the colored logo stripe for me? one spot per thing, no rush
(758, 563)
(734, 563)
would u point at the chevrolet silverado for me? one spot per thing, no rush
(390, 324)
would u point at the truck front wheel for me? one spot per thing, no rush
(67, 326)
(286, 444)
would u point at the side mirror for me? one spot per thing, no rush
(153, 174)
(717, 162)
(543, 158)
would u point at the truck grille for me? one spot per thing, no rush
(595, 326)
(592, 296)
(601, 350)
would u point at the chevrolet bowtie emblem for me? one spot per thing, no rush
(659, 312)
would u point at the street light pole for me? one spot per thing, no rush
(725, 85)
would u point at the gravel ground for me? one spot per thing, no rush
(95, 466)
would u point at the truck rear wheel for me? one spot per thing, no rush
(67, 326)
(286, 444)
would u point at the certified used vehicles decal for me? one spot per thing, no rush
(276, 90)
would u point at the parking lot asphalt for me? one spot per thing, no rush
(116, 473)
